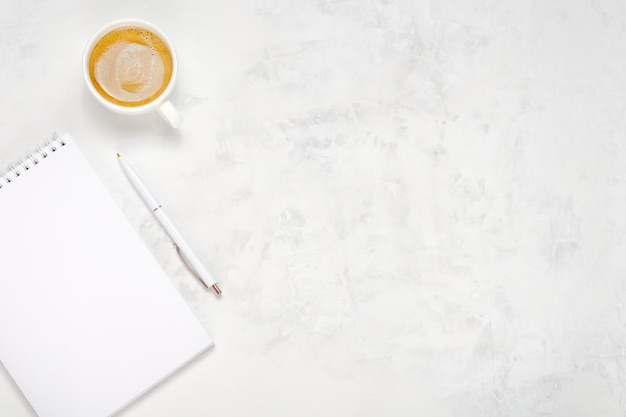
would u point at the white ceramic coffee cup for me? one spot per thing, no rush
(163, 106)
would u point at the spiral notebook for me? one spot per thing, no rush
(88, 319)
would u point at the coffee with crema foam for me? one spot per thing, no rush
(130, 66)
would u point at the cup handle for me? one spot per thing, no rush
(170, 114)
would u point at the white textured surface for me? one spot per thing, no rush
(413, 207)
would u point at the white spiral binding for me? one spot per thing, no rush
(43, 151)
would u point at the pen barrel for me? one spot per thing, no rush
(184, 248)
(139, 184)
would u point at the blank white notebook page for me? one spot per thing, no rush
(88, 319)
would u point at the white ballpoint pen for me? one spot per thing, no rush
(182, 247)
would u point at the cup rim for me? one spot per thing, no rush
(114, 24)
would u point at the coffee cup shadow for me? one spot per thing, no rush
(103, 119)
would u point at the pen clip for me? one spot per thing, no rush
(215, 288)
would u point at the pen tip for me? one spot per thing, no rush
(216, 289)
(119, 154)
